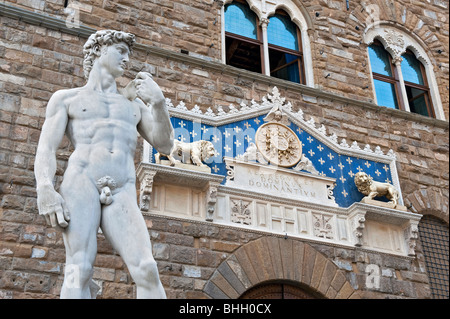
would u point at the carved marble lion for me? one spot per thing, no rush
(367, 186)
(188, 153)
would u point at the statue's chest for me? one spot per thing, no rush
(114, 107)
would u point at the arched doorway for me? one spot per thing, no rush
(280, 290)
(276, 260)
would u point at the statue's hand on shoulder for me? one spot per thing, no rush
(147, 89)
(53, 207)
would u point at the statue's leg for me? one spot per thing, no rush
(196, 155)
(172, 158)
(372, 195)
(393, 196)
(158, 158)
(124, 227)
(80, 237)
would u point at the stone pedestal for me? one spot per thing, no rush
(183, 190)
(378, 203)
(191, 167)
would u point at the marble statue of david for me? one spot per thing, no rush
(99, 185)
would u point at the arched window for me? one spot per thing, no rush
(272, 47)
(284, 48)
(385, 79)
(244, 47)
(416, 85)
(403, 75)
(433, 234)
(241, 20)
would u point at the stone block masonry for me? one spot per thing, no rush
(337, 46)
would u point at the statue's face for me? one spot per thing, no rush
(114, 58)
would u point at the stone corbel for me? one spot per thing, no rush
(146, 190)
(211, 199)
(220, 3)
(230, 171)
(411, 236)
(358, 221)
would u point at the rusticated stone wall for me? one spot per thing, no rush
(338, 53)
(35, 61)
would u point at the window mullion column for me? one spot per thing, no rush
(264, 23)
(222, 34)
(397, 62)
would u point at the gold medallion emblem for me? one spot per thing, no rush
(278, 144)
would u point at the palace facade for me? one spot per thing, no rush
(297, 99)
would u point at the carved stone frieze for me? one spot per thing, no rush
(323, 226)
(305, 164)
(278, 105)
(240, 212)
(395, 42)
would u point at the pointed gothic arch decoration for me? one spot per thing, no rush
(277, 258)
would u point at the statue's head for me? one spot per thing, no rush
(113, 47)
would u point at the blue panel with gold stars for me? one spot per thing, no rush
(232, 139)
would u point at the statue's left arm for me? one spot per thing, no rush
(155, 126)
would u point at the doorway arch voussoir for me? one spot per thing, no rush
(272, 258)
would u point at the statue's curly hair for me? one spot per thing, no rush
(103, 37)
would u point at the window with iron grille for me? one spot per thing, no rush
(434, 238)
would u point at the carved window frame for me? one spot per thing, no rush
(264, 10)
(397, 42)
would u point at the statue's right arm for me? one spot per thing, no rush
(50, 204)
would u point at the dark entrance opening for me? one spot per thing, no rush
(281, 290)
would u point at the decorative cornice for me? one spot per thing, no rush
(384, 214)
(240, 228)
(240, 193)
(188, 175)
(271, 100)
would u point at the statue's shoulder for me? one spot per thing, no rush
(65, 93)
(64, 96)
